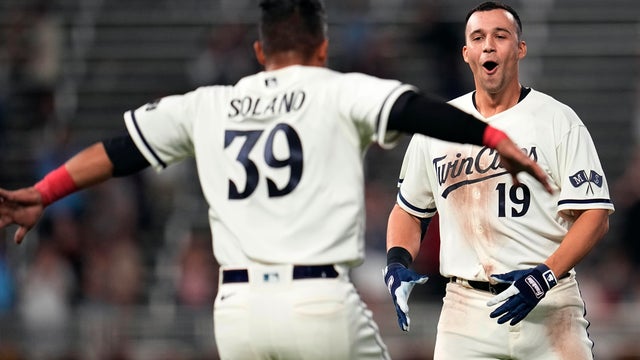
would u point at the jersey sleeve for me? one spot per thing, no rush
(415, 195)
(162, 130)
(583, 182)
(368, 100)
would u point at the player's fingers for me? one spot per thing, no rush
(514, 177)
(502, 278)
(403, 319)
(509, 292)
(4, 221)
(4, 194)
(519, 315)
(402, 298)
(542, 177)
(20, 234)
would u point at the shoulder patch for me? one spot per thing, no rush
(580, 178)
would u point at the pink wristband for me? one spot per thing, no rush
(492, 137)
(55, 185)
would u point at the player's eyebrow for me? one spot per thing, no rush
(494, 30)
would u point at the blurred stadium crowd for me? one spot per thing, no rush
(126, 271)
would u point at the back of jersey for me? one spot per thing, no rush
(279, 157)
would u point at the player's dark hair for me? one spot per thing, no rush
(493, 5)
(292, 25)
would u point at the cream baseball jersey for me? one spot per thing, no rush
(279, 157)
(488, 224)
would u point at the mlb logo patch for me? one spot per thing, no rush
(270, 82)
(152, 105)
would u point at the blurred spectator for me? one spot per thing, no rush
(370, 52)
(441, 44)
(7, 284)
(198, 276)
(45, 301)
(4, 93)
(225, 58)
(113, 262)
(34, 44)
(626, 191)
(626, 194)
(95, 269)
(125, 273)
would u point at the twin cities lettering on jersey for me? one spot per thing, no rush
(484, 165)
(261, 107)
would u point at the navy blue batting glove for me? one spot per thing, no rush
(527, 288)
(400, 281)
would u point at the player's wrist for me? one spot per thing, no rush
(399, 255)
(55, 185)
(549, 277)
(493, 136)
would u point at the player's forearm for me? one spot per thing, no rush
(588, 229)
(88, 167)
(403, 230)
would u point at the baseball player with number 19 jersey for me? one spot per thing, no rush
(508, 246)
(489, 225)
(512, 225)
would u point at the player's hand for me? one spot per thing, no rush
(527, 288)
(22, 207)
(400, 281)
(514, 161)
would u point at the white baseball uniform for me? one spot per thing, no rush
(488, 225)
(279, 157)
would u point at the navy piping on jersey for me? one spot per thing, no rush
(584, 201)
(415, 208)
(144, 140)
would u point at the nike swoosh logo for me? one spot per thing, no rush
(223, 297)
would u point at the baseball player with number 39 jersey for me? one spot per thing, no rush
(503, 242)
(258, 142)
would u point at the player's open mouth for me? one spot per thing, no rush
(490, 65)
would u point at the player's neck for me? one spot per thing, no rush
(489, 104)
(289, 58)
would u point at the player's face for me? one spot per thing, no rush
(493, 50)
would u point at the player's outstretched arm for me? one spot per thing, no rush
(416, 113)
(24, 207)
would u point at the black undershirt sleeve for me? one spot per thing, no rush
(417, 113)
(124, 155)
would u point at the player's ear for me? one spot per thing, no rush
(257, 48)
(464, 54)
(522, 50)
(322, 53)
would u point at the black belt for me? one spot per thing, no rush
(492, 288)
(299, 272)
